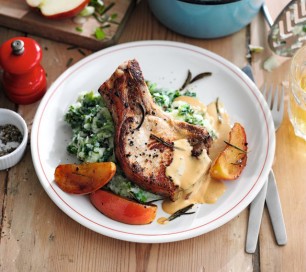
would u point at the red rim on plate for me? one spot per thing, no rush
(146, 50)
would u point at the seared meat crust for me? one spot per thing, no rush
(142, 158)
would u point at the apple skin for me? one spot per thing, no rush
(44, 5)
(83, 178)
(122, 209)
(231, 161)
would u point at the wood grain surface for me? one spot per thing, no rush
(18, 15)
(37, 236)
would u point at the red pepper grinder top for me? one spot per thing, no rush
(24, 79)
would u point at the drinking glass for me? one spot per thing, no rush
(297, 94)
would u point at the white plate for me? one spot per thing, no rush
(165, 63)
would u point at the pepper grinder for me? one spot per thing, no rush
(24, 79)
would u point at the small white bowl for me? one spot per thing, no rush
(11, 117)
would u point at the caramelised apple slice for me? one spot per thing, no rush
(122, 209)
(232, 160)
(54, 9)
(83, 178)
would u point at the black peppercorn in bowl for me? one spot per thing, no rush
(13, 138)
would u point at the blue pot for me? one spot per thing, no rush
(205, 18)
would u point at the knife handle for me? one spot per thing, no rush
(275, 211)
(256, 210)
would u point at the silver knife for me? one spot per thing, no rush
(256, 210)
(269, 194)
(257, 205)
(275, 211)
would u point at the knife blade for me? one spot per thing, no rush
(255, 215)
(275, 211)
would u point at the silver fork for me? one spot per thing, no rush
(269, 191)
(276, 105)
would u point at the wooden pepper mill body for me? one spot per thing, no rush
(24, 79)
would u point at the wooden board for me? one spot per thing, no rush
(16, 14)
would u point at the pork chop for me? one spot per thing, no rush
(144, 133)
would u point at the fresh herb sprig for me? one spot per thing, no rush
(183, 211)
(189, 79)
(142, 115)
(219, 116)
(160, 140)
(165, 143)
(101, 15)
(236, 147)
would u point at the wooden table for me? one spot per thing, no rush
(37, 236)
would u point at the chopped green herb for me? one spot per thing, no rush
(164, 98)
(122, 186)
(98, 10)
(87, 11)
(92, 127)
(79, 29)
(81, 52)
(69, 62)
(101, 10)
(99, 34)
(185, 110)
(113, 16)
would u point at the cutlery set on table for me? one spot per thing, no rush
(285, 38)
(269, 193)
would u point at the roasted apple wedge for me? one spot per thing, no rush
(83, 178)
(232, 160)
(122, 209)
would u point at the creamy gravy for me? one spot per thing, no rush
(162, 220)
(222, 128)
(190, 173)
(185, 170)
(193, 102)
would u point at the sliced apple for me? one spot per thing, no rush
(54, 9)
(122, 209)
(83, 178)
(232, 160)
